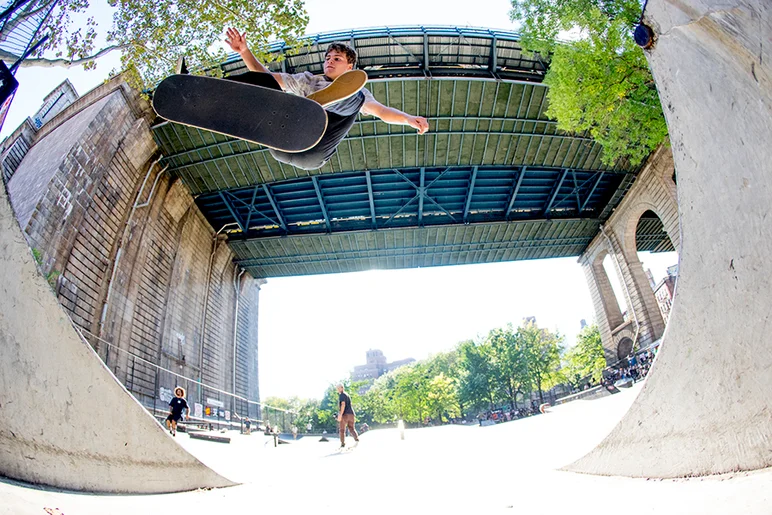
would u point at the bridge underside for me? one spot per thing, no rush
(494, 179)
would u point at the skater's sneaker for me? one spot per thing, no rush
(181, 68)
(345, 86)
(343, 446)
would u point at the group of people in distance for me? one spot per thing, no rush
(346, 415)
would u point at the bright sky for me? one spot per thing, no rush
(314, 330)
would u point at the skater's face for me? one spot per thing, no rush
(335, 64)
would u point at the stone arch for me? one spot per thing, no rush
(624, 347)
(633, 216)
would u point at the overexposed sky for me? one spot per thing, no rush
(314, 330)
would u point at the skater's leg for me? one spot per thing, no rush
(316, 157)
(261, 79)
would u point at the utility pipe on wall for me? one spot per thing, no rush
(237, 288)
(122, 241)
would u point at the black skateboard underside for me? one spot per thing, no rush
(269, 117)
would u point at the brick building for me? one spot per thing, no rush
(375, 366)
(129, 255)
(664, 291)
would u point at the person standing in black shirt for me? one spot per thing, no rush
(346, 416)
(176, 405)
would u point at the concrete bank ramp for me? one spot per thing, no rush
(707, 405)
(65, 421)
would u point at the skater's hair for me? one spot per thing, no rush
(179, 388)
(343, 48)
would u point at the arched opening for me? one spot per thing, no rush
(659, 259)
(624, 348)
(612, 274)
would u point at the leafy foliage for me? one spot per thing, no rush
(507, 365)
(586, 358)
(153, 34)
(541, 354)
(600, 83)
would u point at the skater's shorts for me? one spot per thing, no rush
(175, 418)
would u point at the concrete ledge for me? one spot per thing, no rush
(46, 368)
(209, 437)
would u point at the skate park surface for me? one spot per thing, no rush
(510, 466)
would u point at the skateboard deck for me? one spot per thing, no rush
(278, 120)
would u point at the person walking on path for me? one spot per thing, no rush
(342, 106)
(176, 405)
(346, 416)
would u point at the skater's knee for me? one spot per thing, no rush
(309, 160)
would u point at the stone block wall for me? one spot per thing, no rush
(131, 258)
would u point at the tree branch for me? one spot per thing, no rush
(67, 63)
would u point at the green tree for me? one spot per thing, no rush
(151, 35)
(448, 363)
(411, 393)
(509, 364)
(477, 382)
(540, 350)
(585, 359)
(600, 83)
(442, 398)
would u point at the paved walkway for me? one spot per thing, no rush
(450, 468)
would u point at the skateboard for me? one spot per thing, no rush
(272, 118)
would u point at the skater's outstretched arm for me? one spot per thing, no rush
(395, 116)
(238, 43)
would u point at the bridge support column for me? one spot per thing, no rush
(653, 190)
(607, 313)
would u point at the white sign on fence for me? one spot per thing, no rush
(165, 394)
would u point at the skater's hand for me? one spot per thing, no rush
(236, 40)
(419, 123)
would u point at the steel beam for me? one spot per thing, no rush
(444, 248)
(421, 199)
(514, 192)
(321, 202)
(426, 52)
(251, 206)
(269, 194)
(493, 63)
(469, 195)
(576, 190)
(372, 199)
(232, 211)
(555, 193)
(592, 191)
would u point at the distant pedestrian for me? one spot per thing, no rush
(176, 406)
(346, 416)
(247, 426)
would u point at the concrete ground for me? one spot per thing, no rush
(510, 466)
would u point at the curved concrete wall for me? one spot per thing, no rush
(706, 407)
(64, 419)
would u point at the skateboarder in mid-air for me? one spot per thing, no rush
(176, 405)
(343, 101)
